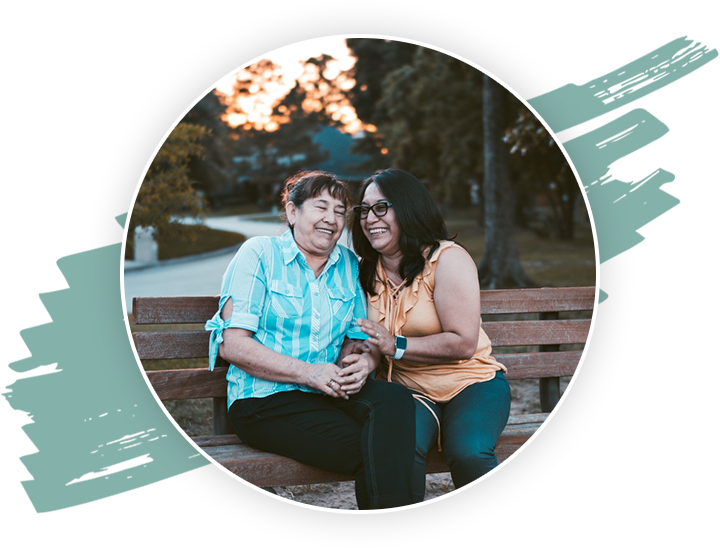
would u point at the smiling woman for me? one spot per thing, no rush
(298, 383)
(316, 222)
(424, 319)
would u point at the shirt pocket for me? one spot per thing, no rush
(342, 303)
(286, 301)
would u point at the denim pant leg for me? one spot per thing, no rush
(426, 433)
(386, 412)
(306, 427)
(471, 424)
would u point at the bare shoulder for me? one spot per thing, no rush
(455, 258)
(456, 270)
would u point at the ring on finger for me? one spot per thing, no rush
(330, 383)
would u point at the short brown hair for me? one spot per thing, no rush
(310, 184)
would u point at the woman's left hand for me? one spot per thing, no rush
(380, 337)
(354, 373)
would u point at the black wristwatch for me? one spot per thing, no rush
(400, 346)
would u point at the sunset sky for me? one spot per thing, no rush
(256, 110)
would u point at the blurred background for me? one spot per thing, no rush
(351, 107)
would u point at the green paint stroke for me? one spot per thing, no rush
(621, 208)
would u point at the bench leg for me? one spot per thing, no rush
(549, 387)
(221, 421)
(549, 393)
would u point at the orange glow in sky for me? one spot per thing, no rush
(256, 110)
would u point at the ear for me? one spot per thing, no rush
(290, 210)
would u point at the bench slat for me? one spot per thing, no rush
(163, 345)
(540, 365)
(269, 470)
(189, 384)
(172, 310)
(169, 345)
(169, 310)
(183, 384)
(547, 299)
(531, 333)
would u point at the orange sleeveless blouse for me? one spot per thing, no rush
(410, 312)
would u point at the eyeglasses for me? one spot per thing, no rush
(379, 209)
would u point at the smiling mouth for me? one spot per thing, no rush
(326, 231)
(376, 231)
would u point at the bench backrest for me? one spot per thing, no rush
(539, 334)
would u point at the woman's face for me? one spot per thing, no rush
(382, 232)
(317, 224)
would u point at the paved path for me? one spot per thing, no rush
(199, 275)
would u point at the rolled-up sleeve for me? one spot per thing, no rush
(245, 283)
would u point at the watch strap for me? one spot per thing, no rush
(400, 346)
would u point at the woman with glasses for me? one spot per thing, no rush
(297, 385)
(424, 321)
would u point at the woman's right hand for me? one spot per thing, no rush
(324, 377)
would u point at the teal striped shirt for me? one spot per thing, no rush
(276, 296)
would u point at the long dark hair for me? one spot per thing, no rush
(419, 219)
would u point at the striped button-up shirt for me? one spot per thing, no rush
(276, 295)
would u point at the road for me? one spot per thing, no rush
(198, 275)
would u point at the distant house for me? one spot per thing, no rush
(255, 186)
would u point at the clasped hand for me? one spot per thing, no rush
(346, 378)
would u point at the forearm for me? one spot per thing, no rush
(447, 346)
(261, 361)
(439, 348)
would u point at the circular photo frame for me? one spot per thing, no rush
(361, 273)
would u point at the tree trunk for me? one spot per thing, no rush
(500, 266)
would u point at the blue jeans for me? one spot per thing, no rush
(470, 425)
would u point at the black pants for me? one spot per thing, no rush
(371, 436)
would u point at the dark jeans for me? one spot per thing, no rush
(371, 436)
(470, 425)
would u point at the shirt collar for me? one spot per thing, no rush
(290, 250)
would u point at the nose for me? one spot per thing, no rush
(329, 216)
(372, 212)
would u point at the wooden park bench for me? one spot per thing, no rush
(540, 321)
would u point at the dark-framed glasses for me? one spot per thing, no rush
(379, 209)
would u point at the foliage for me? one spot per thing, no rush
(542, 169)
(427, 109)
(274, 135)
(212, 173)
(167, 190)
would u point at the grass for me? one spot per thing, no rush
(192, 240)
(548, 261)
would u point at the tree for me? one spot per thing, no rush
(426, 108)
(500, 266)
(435, 118)
(543, 170)
(275, 125)
(375, 60)
(212, 173)
(167, 190)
